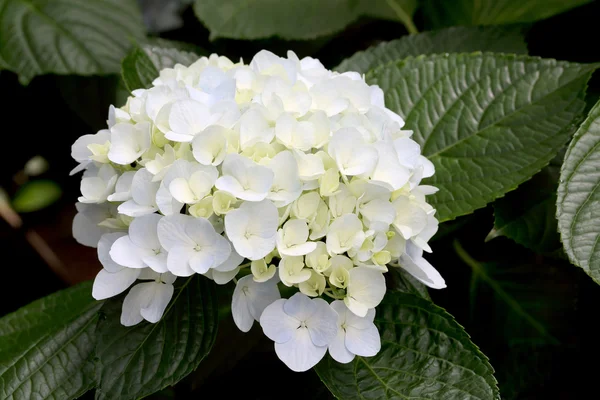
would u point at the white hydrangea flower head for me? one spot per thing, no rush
(277, 174)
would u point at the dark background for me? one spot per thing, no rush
(557, 362)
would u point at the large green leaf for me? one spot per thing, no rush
(528, 214)
(425, 354)
(443, 13)
(298, 19)
(578, 203)
(139, 360)
(142, 64)
(457, 39)
(46, 346)
(83, 37)
(488, 122)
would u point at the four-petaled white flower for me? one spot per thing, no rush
(351, 154)
(252, 228)
(244, 179)
(141, 248)
(345, 233)
(189, 182)
(128, 142)
(250, 298)
(82, 149)
(292, 239)
(143, 195)
(95, 188)
(193, 245)
(365, 290)
(301, 328)
(356, 336)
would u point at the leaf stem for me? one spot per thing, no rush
(480, 272)
(403, 16)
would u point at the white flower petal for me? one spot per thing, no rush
(337, 348)
(178, 260)
(133, 209)
(158, 262)
(154, 309)
(299, 353)
(104, 245)
(322, 324)
(366, 288)
(252, 228)
(300, 306)
(125, 253)
(107, 284)
(239, 307)
(143, 189)
(171, 231)
(363, 342)
(232, 262)
(133, 303)
(143, 231)
(420, 268)
(276, 324)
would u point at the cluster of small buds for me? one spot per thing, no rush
(275, 173)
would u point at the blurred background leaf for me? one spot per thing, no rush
(442, 13)
(298, 19)
(84, 37)
(36, 195)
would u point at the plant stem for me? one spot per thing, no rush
(403, 16)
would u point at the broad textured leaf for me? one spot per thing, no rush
(488, 122)
(83, 37)
(298, 19)
(35, 195)
(457, 39)
(443, 13)
(46, 346)
(137, 361)
(142, 64)
(578, 203)
(425, 354)
(528, 214)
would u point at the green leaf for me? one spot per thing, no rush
(506, 284)
(425, 354)
(578, 203)
(83, 37)
(442, 13)
(528, 214)
(488, 122)
(142, 64)
(140, 360)
(451, 40)
(46, 346)
(35, 195)
(298, 19)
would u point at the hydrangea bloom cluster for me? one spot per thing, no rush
(277, 173)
